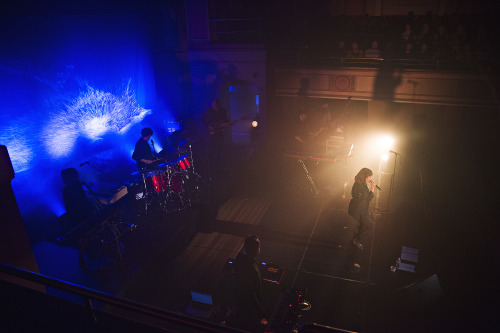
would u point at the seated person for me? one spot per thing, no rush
(373, 51)
(355, 51)
(407, 52)
(340, 50)
(143, 154)
(77, 205)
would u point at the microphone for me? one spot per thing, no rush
(378, 187)
(86, 162)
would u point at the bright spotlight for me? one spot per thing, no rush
(255, 123)
(386, 142)
(384, 157)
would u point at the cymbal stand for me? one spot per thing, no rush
(145, 193)
(191, 158)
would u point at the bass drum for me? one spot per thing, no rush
(183, 183)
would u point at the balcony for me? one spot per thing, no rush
(438, 82)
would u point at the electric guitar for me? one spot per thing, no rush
(220, 127)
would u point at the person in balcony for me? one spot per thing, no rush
(407, 35)
(442, 45)
(373, 51)
(341, 50)
(425, 35)
(407, 52)
(424, 53)
(355, 51)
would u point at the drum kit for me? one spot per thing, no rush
(170, 185)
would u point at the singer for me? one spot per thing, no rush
(358, 206)
(143, 154)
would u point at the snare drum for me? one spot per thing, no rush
(155, 181)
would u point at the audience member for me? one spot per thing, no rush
(407, 52)
(424, 52)
(341, 50)
(407, 36)
(441, 43)
(355, 51)
(461, 51)
(373, 51)
(459, 35)
(424, 36)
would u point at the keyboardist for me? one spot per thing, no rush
(308, 134)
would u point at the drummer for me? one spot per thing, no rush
(143, 154)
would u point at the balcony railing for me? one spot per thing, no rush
(295, 59)
(133, 309)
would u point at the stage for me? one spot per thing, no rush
(306, 234)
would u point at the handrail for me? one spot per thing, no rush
(90, 294)
(298, 59)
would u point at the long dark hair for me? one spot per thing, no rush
(362, 175)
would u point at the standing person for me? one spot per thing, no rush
(215, 119)
(358, 206)
(143, 154)
(250, 314)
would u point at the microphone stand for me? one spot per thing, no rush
(154, 150)
(392, 178)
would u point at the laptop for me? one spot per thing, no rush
(200, 306)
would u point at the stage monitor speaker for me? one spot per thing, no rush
(424, 292)
(6, 169)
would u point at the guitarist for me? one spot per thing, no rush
(215, 118)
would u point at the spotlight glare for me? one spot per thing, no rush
(255, 123)
(386, 142)
(384, 156)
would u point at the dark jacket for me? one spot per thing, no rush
(142, 151)
(361, 197)
(248, 286)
